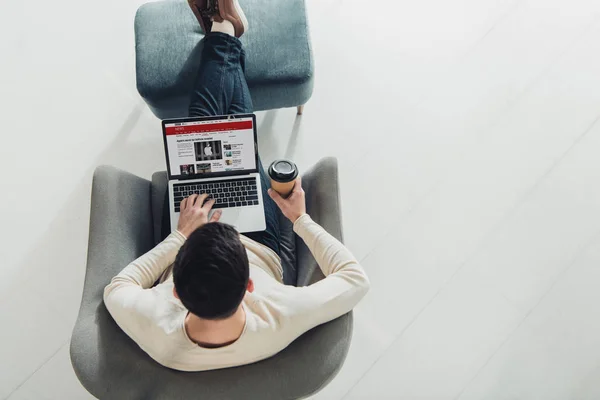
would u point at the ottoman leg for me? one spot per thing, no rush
(301, 109)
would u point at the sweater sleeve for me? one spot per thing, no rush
(127, 297)
(146, 270)
(345, 283)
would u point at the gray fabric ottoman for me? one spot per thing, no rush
(126, 221)
(279, 64)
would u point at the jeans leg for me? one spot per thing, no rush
(221, 89)
(241, 102)
(269, 237)
(217, 79)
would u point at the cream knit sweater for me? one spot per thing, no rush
(276, 314)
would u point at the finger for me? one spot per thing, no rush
(216, 216)
(298, 185)
(209, 204)
(183, 204)
(200, 200)
(276, 197)
(192, 200)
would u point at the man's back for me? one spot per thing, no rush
(276, 314)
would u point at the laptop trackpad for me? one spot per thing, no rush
(244, 219)
(230, 216)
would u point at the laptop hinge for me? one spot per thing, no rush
(187, 178)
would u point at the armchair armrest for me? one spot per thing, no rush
(321, 185)
(120, 231)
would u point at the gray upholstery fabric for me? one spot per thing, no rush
(160, 202)
(111, 366)
(279, 64)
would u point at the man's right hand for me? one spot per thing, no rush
(194, 213)
(294, 206)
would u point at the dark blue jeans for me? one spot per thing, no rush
(221, 89)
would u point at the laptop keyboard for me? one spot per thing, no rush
(230, 193)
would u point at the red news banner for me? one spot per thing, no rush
(202, 128)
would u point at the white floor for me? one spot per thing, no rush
(468, 136)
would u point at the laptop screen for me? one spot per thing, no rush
(216, 146)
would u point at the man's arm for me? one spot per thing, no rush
(145, 271)
(345, 282)
(126, 297)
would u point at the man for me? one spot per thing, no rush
(220, 301)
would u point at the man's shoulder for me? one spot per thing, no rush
(149, 311)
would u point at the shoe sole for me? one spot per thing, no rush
(231, 11)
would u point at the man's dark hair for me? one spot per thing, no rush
(211, 272)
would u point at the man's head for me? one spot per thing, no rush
(211, 272)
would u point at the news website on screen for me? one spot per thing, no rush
(204, 147)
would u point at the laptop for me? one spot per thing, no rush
(217, 156)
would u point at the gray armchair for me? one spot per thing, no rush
(127, 221)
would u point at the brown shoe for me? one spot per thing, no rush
(204, 10)
(231, 11)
